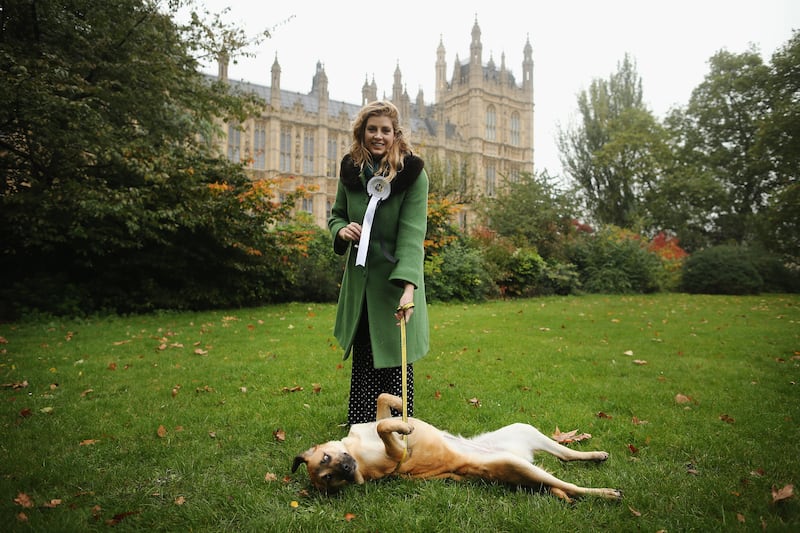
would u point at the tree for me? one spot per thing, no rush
(717, 136)
(616, 153)
(533, 212)
(112, 196)
(780, 139)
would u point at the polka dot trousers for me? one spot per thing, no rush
(368, 382)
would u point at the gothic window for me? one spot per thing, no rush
(515, 129)
(491, 124)
(333, 158)
(308, 153)
(286, 149)
(308, 205)
(260, 148)
(234, 142)
(490, 179)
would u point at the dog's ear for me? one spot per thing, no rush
(302, 458)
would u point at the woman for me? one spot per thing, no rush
(380, 218)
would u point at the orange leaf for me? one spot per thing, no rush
(52, 504)
(279, 434)
(87, 442)
(681, 398)
(636, 422)
(601, 414)
(316, 388)
(634, 512)
(269, 476)
(633, 449)
(161, 431)
(740, 518)
(782, 494)
(349, 517)
(23, 500)
(180, 500)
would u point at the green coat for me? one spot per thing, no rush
(398, 230)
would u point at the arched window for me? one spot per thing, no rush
(515, 129)
(491, 124)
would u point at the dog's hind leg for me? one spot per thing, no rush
(523, 440)
(513, 470)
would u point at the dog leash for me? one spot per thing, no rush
(404, 371)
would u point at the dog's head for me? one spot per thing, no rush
(329, 466)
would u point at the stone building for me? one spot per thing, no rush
(476, 133)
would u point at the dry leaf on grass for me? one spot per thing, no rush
(779, 495)
(569, 436)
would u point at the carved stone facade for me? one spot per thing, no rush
(479, 130)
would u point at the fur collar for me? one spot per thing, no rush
(412, 166)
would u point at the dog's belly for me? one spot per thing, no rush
(467, 446)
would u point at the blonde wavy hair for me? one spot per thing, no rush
(392, 163)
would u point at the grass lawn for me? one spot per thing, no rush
(190, 421)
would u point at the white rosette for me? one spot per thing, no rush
(378, 189)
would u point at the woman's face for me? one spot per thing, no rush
(379, 135)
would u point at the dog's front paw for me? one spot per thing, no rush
(405, 429)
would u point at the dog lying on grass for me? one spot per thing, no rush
(376, 450)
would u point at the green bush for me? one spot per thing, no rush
(457, 272)
(316, 274)
(725, 269)
(615, 261)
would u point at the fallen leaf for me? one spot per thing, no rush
(349, 517)
(437, 395)
(161, 431)
(636, 422)
(628, 352)
(316, 388)
(15, 386)
(87, 391)
(212, 434)
(601, 414)
(112, 366)
(740, 518)
(269, 476)
(633, 449)
(200, 351)
(180, 500)
(784, 493)
(24, 501)
(634, 512)
(474, 402)
(296, 388)
(294, 504)
(726, 418)
(639, 362)
(52, 504)
(25, 413)
(279, 434)
(243, 390)
(88, 442)
(22, 517)
(46, 410)
(569, 436)
(682, 398)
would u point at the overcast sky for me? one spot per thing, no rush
(574, 42)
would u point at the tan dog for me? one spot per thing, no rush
(375, 450)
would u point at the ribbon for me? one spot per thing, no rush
(378, 189)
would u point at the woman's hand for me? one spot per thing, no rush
(406, 307)
(351, 232)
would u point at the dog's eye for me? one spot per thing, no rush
(326, 458)
(328, 477)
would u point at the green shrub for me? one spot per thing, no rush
(726, 269)
(615, 261)
(457, 272)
